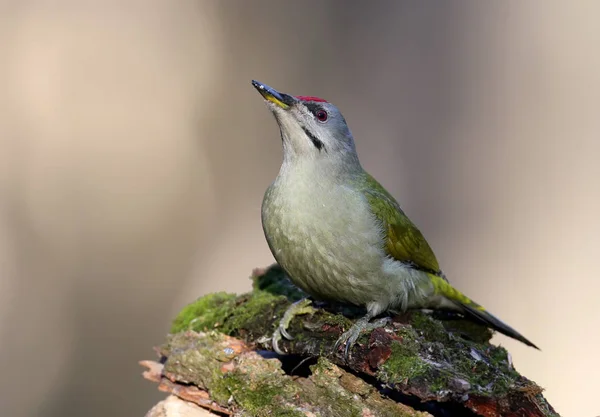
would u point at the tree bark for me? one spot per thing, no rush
(219, 357)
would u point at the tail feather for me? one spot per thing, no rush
(470, 308)
(495, 323)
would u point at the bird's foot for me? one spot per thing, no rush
(298, 308)
(351, 336)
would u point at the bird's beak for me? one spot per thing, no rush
(270, 94)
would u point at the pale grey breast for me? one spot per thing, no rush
(326, 238)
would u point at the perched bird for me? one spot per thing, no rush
(339, 235)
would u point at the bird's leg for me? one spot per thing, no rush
(298, 308)
(362, 325)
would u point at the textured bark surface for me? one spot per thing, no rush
(219, 356)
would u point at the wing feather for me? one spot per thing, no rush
(404, 241)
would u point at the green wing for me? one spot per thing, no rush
(404, 241)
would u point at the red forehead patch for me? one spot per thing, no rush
(311, 98)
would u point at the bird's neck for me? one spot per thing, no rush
(321, 170)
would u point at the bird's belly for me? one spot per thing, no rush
(330, 244)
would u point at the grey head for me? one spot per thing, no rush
(311, 128)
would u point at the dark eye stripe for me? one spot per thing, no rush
(318, 144)
(313, 108)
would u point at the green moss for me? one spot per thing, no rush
(431, 329)
(438, 384)
(337, 320)
(205, 313)
(258, 386)
(499, 371)
(260, 397)
(449, 359)
(404, 362)
(329, 394)
(425, 355)
(192, 365)
(229, 314)
(499, 357)
(490, 374)
(344, 395)
(252, 306)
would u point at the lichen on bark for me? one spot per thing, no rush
(432, 363)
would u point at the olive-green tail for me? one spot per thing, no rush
(470, 308)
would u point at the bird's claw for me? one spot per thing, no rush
(298, 308)
(284, 332)
(350, 337)
(277, 337)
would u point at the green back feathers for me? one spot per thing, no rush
(404, 241)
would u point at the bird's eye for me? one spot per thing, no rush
(321, 115)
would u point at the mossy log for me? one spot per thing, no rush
(219, 356)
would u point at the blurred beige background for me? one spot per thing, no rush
(134, 154)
